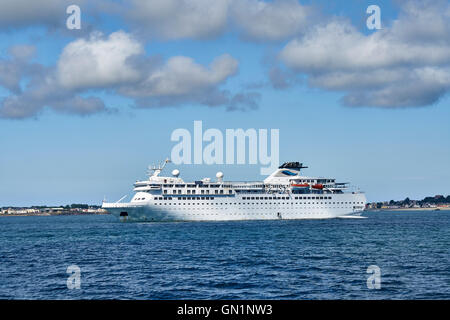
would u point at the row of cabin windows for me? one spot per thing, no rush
(285, 198)
(237, 186)
(250, 204)
(251, 198)
(262, 191)
(178, 191)
(315, 181)
(264, 198)
(192, 185)
(184, 198)
(194, 192)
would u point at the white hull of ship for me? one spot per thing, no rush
(234, 209)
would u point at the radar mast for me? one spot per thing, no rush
(154, 171)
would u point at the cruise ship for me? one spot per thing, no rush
(285, 194)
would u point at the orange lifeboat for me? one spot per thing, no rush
(302, 185)
(318, 186)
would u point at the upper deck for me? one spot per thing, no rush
(286, 179)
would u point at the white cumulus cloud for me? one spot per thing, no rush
(119, 64)
(199, 19)
(99, 61)
(392, 67)
(182, 75)
(271, 21)
(175, 19)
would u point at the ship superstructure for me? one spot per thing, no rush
(285, 194)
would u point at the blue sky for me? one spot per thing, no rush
(74, 139)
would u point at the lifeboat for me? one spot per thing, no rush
(300, 186)
(317, 186)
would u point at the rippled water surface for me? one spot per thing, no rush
(304, 259)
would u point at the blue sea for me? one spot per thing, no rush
(303, 259)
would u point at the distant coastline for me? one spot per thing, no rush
(411, 209)
(74, 209)
(435, 203)
(51, 214)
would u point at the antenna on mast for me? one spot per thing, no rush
(154, 171)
